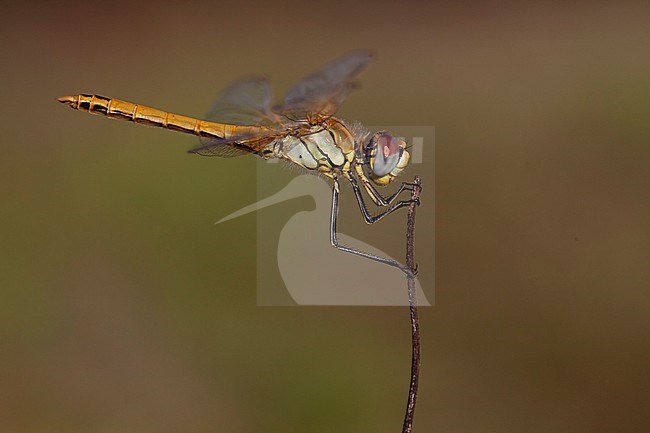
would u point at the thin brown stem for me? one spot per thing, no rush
(413, 309)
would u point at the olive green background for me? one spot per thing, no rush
(124, 309)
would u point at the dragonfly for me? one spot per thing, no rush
(300, 129)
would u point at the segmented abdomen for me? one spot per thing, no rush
(117, 109)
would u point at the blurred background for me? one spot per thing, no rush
(123, 308)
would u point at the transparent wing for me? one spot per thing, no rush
(218, 147)
(246, 101)
(237, 146)
(323, 92)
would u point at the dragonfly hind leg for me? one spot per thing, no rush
(335, 243)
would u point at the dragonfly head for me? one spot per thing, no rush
(385, 156)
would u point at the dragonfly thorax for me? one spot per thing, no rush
(328, 148)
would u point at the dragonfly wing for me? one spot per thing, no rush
(218, 147)
(322, 92)
(246, 101)
(237, 146)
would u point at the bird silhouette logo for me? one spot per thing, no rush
(315, 273)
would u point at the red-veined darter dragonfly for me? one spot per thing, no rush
(301, 129)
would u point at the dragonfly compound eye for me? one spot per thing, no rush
(387, 157)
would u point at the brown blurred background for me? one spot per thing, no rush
(124, 309)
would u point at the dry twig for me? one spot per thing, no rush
(413, 309)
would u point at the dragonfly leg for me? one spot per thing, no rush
(385, 201)
(375, 195)
(335, 243)
(371, 219)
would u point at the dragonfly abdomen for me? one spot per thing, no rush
(123, 110)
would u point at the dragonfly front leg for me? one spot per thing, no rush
(375, 195)
(385, 201)
(335, 243)
(371, 219)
